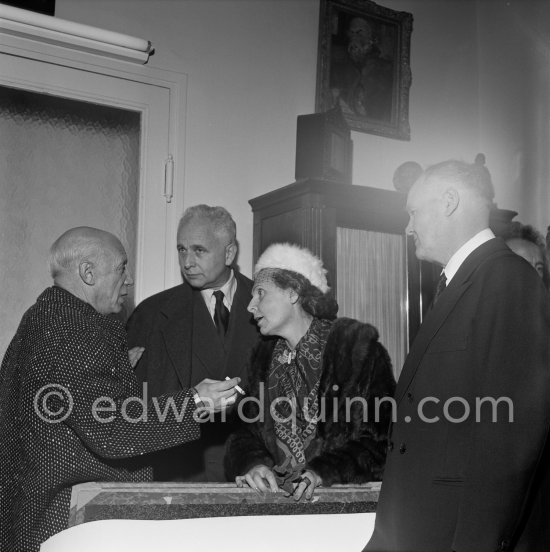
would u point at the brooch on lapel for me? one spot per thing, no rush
(287, 357)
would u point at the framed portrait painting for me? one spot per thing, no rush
(363, 66)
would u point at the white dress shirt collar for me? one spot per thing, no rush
(229, 289)
(451, 268)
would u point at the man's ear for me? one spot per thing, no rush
(86, 272)
(451, 197)
(230, 253)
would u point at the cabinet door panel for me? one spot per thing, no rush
(372, 285)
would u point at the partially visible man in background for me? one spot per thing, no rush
(199, 329)
(528, 243)
(70, 408)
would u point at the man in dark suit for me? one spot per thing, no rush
(473, 399)
(192, 332)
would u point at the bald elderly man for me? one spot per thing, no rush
(71, 409)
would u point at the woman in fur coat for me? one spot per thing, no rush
(314, 414)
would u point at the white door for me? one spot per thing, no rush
(78, 147)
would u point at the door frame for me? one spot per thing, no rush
(175, 83)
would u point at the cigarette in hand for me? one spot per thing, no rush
(237, 387)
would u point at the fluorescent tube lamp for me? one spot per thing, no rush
(52, 30)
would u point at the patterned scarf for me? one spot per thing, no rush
(292, 390)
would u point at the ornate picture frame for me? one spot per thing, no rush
(363, 65)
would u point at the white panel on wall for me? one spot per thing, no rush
(372, 285)
(84, 144)
(64, 163)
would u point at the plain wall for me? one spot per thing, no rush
(251, 67)
(514, 54)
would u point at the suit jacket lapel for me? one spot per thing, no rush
(239, 320)
(177, 333)
(439, 313)
(207, 346)
(433, 321)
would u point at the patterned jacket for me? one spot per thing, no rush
(65, 418)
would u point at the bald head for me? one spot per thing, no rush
(77, 244)
(448, 204)
(91, 264)
(466, 177)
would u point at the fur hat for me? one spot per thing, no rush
(287, 256)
